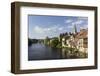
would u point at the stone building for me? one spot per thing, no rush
(77, 40)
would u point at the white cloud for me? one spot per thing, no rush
(84, 27)
(82, 18)
(71, 26)
(60, 28)
(37, 29)
(78, 22)
(68, 21)
(41, 30)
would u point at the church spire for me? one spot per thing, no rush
(74, 29)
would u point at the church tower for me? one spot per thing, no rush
(74, 29)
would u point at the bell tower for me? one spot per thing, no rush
(74, 29)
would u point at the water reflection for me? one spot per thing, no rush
(39, 51)
(65, 53)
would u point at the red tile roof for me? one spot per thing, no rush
(82, 34)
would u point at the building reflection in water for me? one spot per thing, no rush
(65, 53)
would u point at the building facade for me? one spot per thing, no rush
(78, 40)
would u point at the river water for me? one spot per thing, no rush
(39, 51)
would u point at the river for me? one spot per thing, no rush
(39, 51)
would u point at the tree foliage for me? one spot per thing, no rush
(54, 42)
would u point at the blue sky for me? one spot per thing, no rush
(40, 26)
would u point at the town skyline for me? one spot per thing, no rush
(41, 27)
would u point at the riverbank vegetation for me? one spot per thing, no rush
(32, 41)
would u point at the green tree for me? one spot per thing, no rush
(47, 40)
(54, 42)
(29, 41)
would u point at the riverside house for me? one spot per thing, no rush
(82, 40)
(78, 40)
